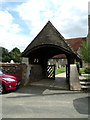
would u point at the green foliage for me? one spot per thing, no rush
(86, 75)
(85, 52)
(6, 59)
(87, 70)
(60, 70)
(8, 56)
(15, 55)
(4, 55)
(4, 51)
(82, 70)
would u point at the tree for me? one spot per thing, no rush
(85, 51)
(15, 55)
(4, 55)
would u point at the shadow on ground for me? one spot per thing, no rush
(40, 86)
(81, 105)
(35, 91)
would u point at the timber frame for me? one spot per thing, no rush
(48, 43)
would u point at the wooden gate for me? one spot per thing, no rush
(51, 71)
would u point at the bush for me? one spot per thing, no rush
(82, 70)
(87, 70)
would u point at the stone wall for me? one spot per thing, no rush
(17, 69)
(35, 73)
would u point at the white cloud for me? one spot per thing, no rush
(30, 12)
(6, 22)
(11, 40)
(89, 7)
(10, 36)
(68, 16)
(59, 12)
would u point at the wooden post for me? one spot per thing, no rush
(66, 73)
(44, 67)
(54, 72)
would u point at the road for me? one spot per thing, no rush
(44, 102)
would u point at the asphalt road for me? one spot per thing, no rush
(44, 102)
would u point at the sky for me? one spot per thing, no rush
(22, 20)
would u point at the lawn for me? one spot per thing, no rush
(86, 75)
(63, 69)
(60, 70)
(82, 70)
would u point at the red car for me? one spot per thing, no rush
(8, 82)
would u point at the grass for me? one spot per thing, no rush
(63, 69)
(60, 70)
(82, 70)
(86, 91)
(83, 73)
(87, 75)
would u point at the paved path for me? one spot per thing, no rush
(44, 102)
(59, 82)
(61, 75)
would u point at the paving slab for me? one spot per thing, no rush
(44, 102)
(59, 82)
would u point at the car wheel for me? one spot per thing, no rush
(2, 89)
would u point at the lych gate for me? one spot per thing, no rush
(48, 43)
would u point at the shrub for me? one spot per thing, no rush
(87, 70)
(82, 70)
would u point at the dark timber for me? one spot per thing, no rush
(48, 43)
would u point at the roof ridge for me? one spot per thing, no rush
(76, 38)
(69, 46)
(49, 35)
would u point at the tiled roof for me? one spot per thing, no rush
(48, 36)
(59, 56)
(75, 43)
